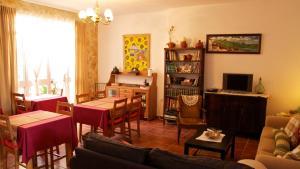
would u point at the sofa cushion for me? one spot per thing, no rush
(266, 144)
(166, 160)
(114, 148)
(282, 142)
(295, 154)
(87, 159)
(292, 130)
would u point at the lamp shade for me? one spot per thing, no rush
(108, 15)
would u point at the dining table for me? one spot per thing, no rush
(45, 102)
(96, 113)
(40, 130)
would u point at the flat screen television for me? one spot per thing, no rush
(237, 82)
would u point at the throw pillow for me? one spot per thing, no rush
(295, 154)
(107, 146)
(282, 142)
(292, 130)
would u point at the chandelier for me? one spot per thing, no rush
(93, 15)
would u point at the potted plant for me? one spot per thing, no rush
(171, 44)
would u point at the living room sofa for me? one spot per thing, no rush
(267, 145)
(101, 152)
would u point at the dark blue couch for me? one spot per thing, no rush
(103, 153)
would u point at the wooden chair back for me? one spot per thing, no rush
(119, 109)
(81, 98)
(136, 104)
(64, 108)
(190, 111)
(99, 94)
(19, 102)
(100, 91)
(6, 130)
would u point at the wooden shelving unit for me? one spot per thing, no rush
(184, 75)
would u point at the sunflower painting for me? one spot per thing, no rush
(136, 52)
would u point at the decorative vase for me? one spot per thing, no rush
(199, 44)
(183, 44)
(259, 88)
(171, 45)
(115, 70)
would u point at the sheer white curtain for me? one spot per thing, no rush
(45, 54)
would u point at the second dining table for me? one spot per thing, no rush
(45, 102)
(96, 112)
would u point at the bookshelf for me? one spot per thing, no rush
(184, 75)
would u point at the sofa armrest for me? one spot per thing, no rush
(277, 163)
(276, 121)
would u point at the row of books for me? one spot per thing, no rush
(193, 67)
(173, 56)
(177, 92)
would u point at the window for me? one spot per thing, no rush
(45, 54)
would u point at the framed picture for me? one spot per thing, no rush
(136, 52)
(233, 43)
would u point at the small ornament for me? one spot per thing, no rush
(199, 45)
(259, 88)
(115, 70)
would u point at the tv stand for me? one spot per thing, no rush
(242, 112)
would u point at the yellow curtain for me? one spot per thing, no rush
(86, 57)
(8, 66)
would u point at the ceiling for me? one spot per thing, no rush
(120, 7)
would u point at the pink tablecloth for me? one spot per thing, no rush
(92, 116)
(44, 133)
(47, 103)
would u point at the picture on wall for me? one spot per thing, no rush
(233, 43)
(136, 52)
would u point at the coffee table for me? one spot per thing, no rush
(228, 142)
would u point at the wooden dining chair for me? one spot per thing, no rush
(82, 98)
(8, 141)
(118, 116)
(134, 114)
(20, 103)
(100, 91)
(99, 95)
(64, 108)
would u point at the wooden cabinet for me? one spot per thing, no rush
(184, 75)
(129, 85)
(244, 113)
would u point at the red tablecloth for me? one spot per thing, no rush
(40, 130)
(96, 112)
(47, 103)
(92, 116)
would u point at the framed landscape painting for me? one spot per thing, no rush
(233, 43)
(136, 52)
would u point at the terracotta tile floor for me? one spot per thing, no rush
(155, 134)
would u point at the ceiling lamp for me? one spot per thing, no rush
(93, 15)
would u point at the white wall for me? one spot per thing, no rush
(278, 64)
